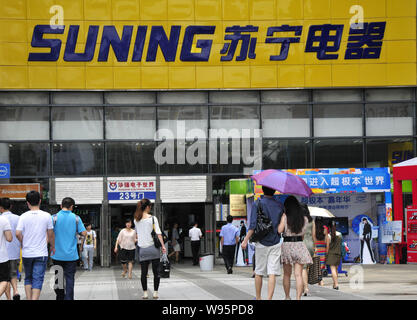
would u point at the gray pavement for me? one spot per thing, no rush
(189, 283)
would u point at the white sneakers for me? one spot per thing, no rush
(146, 296)
(155, 295)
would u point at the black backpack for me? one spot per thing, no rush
(263, 225)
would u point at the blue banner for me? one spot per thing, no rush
(132, 195)
(4, 170)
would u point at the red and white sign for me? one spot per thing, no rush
(411, 234)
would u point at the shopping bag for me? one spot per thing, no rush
(164, 266)
(314, 272)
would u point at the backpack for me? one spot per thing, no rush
(77, 219)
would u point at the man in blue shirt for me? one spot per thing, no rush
(66, 227)
(229, 238)
(267, 250)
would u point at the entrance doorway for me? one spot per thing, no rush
(185, 214)
(119, 213)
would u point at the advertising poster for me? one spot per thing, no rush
(121, 190)
(237, 205)
(18, 191)
(411, 234)
(242, 257)
(391, 232)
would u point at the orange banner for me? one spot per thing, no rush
(18, 191)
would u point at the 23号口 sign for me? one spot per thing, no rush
(364, 42)
(4, 170)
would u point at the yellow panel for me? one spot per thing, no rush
(262, 10)
(208, 10)
(217, 37)
(73, 9)
(263, 53)
(373, 74)
(181, 10)
(403, 8)
(126, 78)
(236, 77)
(182, 77)
(318, 76)
(316, 9)
(340, 9)
(400, 29)
(291, 76)
(42, 77)
(39, 9)
(16, 31)
(125, 10)
(264, 77)
(13, 77)
(13, 53)
(13, 9)
(209, 77)
(400, 51)
(374, 9)
(296, 54)
(153, 10)
(401, 74)
(345, 75)
(235, 10)
(98, 10)
(290, 9)
(71, 77)
(99, 78)
(154, 77)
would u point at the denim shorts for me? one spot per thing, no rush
(35, 271)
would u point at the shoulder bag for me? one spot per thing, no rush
(263, 225)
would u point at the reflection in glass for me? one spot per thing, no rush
(130, 123)
(285, 121)
(388, 119)
(387, 152)
(337, 120)
(338, 153)
(286, 154)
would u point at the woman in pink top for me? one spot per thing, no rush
(127, 239)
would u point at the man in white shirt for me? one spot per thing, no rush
(5, 235)
(195, 235)
(34, 228)
(13, 248)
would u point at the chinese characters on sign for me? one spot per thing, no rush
(324, 41)
(131, 190)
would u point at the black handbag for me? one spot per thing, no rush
(155, 238)
(164, 267)
(314, 272)
(263, 225)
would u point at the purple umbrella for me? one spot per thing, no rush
(283, 182)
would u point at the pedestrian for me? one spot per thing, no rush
(34, 230)
(309, 243)
(13, 248)
(334, 252)
(66, 227)
(229, 235)
(195, 234)
(294, 252)
(242, 235)
(319, 237)
(175, 242)
(89, 245)
(5, 235)
(80, 240)
(127, 240)
(267, 250)
(148, 253)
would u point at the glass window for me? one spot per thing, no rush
(285, 96)
(183, 119)
(78, 159)
(181, 97)
(128, 97)
(77, 123)
(80, 98)
(179, 157)
(337, 120)
(389, 119)
(131, 158)
(26, 159)
(233, 117)
(24, 123)
(130, 123)
(337, 95)
(234, 97)
(13, 97)
(394, 94)
(387, 152)
(286, 154)
(285, 121)
(340, 153)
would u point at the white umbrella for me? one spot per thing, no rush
(320, 212)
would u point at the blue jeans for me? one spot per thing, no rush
(87, 256)
(35, 271)
(69, 268)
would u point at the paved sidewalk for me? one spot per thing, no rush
(189, 283)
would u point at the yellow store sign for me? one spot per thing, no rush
(206, 44)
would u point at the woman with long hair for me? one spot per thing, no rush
(127, 239)
(148, 253)
(293, 252)
(308, 241)
(319, 238)
(334, 252)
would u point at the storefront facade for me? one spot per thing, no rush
(101, 103)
